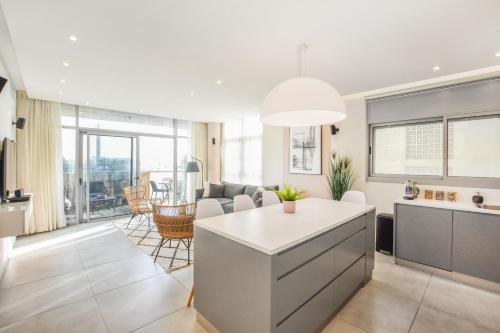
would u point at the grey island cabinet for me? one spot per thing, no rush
(264, 271)
(458, 240)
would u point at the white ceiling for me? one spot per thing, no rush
(149, 55)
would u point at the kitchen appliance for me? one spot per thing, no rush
(477, 198)
(411, 190)
(385, 233)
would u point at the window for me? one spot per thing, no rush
(410, 149)
(242, 151)
(474, 147)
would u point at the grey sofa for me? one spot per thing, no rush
(225, 193)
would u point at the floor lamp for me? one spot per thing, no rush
(192, 167)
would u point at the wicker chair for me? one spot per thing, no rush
(138, 203)
(174, 223)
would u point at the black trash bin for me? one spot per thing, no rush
(385, 233)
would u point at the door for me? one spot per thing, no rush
(108, 164)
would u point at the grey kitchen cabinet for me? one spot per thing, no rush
(424, 235)
(476, 245)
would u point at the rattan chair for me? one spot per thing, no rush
(174, 223)
(138, 203)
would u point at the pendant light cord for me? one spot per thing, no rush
(301, 52)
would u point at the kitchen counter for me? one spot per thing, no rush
(463, 206)
(265, 271)
(270, 231)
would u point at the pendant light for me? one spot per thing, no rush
(302, 101)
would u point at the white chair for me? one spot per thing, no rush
(243, 202)
(354, 196)
(269, 198)
(208, 208)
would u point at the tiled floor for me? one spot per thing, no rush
(91, 278)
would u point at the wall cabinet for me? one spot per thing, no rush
(424, 235)
(476, 245)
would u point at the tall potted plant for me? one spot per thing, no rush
(340, 176)
(289, 196)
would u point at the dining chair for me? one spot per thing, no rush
(354, 196)
(269, 198)
(243, 202)
(174, 223)
(138, 203)
(208, 208)
(155, 189)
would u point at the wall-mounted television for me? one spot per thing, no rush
(3, 81)
(7, 167)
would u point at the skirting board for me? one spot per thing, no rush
(462, 278)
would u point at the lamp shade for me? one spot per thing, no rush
(192, 167)
(302, 101)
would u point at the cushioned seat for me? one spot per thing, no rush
(224, 201)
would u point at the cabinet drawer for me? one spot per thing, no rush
(292, 258)
(347, 282)
(296, 288)
(312, 315)
(349, 251)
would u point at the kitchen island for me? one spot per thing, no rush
(265, 271)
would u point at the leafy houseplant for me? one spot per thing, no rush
(289, 197)
(340, 176)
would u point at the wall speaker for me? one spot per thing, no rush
(19, 123)
(334, 130)
(213, 141)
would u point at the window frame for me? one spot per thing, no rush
(445, 179)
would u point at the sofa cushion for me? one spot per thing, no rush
(216, 191)
(231, 190)
(250, 190)
(224, 201)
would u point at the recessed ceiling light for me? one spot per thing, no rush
(63, 81)
(65, 64)
(73, 38)
(141, 111)
(59, 92)
(497, 54)
(436, 68)
(219, 82)
(87, 103)
(191, 93)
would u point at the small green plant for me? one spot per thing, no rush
(339, 175)
(288, 194)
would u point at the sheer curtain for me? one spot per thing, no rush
(242, 151)
(39, 161)
(199, 148)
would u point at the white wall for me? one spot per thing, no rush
(272, 155)
(352, 141)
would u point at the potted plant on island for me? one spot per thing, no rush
(340, 176)
(289, 196)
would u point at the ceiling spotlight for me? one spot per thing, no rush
(219, 82)
(63, 81)
(59, 92)
(191, 93)
(87, 103)
(436, 68)
(141, 111)
(497, 54)
(73, 38)
(65, 64)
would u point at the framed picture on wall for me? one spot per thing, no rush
(305, 150)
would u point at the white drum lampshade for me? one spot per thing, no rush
(301, 102)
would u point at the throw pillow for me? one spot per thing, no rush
(258, 194)
(216, 191)
(206, 193)
(232, 190)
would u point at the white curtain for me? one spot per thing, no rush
(199, 149)
(242, 151)
(39, 161)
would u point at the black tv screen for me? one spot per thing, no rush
(3, 81)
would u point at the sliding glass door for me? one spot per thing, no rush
(108, 165)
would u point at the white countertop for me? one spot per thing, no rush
(463, 206)
(271, 231)
(13, 207)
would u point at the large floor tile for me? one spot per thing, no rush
(99, 238)
(33, 298)
(182, 321)
(338, 325)
(400, 280)
(122, 272)
(41, 268)
(184, 276)
(109, 252)
(378, 311)
(431, 320)
(131, 307)
(80, 317)
(40, 251)
(479, 306)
